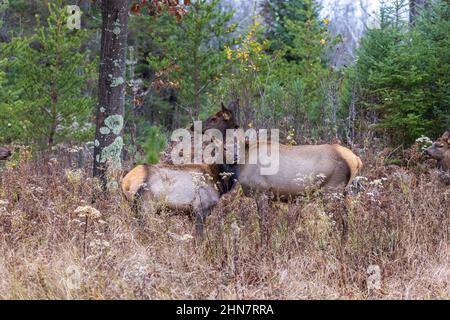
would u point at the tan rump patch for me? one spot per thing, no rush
(134, 180)
(354, 162)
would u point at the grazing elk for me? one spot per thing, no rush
(186, 188)
(301, 168)
(440, 151)
(5, 154)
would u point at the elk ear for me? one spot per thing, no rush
(224, 109)
(226, 115)
(446, 135)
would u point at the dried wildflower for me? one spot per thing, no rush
(36, 189)
(183, 238)
(99, 244)
(424, 139)
(199, 180)
(235, 231)
(87, 211)
(378, 182)
(72, 279)
(74, 176)
(423, 142)
(3, 205)
(360, 179)
(373, 278)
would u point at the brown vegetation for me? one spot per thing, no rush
(54, 244)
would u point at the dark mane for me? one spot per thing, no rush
(227, 183)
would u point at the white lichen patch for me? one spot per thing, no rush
(105, 130)
(117, 26)
(115, 123)
(116, 31)
(117, 82)
(112, 154)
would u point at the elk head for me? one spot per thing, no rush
(222, 120)
(439, 148)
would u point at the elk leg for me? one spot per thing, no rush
(200, 217)
(261, 201)
(344, 217)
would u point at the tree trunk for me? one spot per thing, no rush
(414, 10)
(4, 15)
(196, 88)
(111, 96)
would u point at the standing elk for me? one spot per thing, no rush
(5, 154)
(301, 168)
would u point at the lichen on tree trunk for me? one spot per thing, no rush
(111, 97)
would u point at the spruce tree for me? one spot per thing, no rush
(43, 97)
(191, 58)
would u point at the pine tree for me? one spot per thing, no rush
(307, 62)
(192, 58)
(277, 14)
(402, 74)
(46, 73)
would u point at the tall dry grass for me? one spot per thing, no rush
(398, 224)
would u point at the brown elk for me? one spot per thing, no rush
(5, 154)
(185, 188)
(440, 151)
(301, 168)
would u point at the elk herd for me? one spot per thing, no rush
(197, 188)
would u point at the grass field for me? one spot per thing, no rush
(396, 246)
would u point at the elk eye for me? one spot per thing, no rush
(440, 146)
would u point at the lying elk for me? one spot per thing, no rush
(185, 188)
(301, 168)
(5, 154)
(440, 151)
